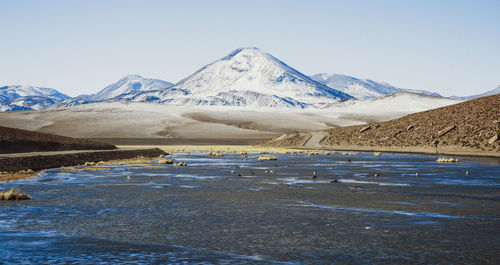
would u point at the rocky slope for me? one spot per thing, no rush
(18, 141)
(472, 126)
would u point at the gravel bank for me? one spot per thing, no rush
(39, 162)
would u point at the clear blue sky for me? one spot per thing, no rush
(451, 47)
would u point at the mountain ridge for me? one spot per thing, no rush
(18, 97)
(362, 89)
(253, 73)
(487, 93)
(244, 77)
(129, 84)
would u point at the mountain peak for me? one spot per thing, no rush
(132, 77)
(361, 88)
(250, 71)
(129, 84)
(247, 49)
(18, 97)
(244, 52)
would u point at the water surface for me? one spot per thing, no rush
(235, 209)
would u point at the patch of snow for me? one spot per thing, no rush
(130, 84)
(18, 97)
(487, 93)
(362, 88)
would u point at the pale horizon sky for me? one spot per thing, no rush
(79, 47)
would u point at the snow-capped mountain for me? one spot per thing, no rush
(246, 77)
(487, 93)
(127, 88)
(15, 91)
(28, 97)
(361, 89)
(29, 103)
(130, 84)
(72, 102)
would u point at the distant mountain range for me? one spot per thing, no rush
(128, 85)
(487, 93)
(28, 97)
(245, 77)
(362, 89)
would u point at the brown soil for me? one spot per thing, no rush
(19, 141)
(471, 126)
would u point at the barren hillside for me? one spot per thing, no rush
(468, 126)
(18, 141)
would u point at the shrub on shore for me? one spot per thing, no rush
(13, 195)
(164, 161)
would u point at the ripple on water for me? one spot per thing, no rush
(296, 180)
(106, 203)
(416, 214)
(50, 248)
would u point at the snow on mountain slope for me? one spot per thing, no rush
(158, 96)
(71, 102)
(144, 120)
(393, 106)
(249, 77)
(361, 88)
(130, 84)
(16, 91)
(28, 97)
(30, 103)
(487, 93)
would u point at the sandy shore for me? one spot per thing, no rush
(313, 141)
(284, 149)
(414, 150)
(29, 163)
(24, 165)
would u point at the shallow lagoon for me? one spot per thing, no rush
(204, 213)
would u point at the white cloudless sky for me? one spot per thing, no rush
(79, 47)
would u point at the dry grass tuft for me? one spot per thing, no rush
(21, 174)
(262, 158)
(219, 148)
(13, 195)
(78, 169)
(447, 160)
(164, 161)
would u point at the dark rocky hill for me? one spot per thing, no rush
(19, 141)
